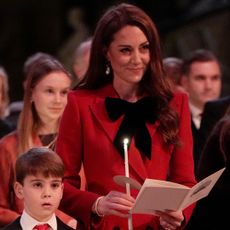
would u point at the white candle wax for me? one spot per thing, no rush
(127, 185)
(126, 141)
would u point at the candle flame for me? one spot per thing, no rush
(126, 141)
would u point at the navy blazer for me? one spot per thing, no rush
(213, 112)
(210, 212)
(15, 225)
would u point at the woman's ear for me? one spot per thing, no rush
(18, 189)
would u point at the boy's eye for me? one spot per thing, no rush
(37, 185)
(56, 185)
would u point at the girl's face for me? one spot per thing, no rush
(50, 96)
(129, 55)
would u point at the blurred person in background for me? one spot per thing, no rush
(5, 126)
(173, 70)
(81, 59)
(45, 97)
(202, 81)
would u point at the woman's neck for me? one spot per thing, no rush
(127, 91)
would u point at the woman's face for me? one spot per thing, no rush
(50, 96)
(129, 55)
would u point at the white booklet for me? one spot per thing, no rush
(165, 195)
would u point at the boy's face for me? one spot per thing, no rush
(41, 195)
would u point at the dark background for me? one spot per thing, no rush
(58, 26)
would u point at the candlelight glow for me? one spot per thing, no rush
(126, 141)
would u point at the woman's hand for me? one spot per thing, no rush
(114, 203)
(170, 220)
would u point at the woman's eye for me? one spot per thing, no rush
(145, 47)
(125, 50)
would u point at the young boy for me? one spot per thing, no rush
(39, 174)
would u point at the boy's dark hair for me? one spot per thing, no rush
(39, 160)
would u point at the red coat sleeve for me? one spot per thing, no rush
(75, 202)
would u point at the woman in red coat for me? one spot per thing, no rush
(124, 94)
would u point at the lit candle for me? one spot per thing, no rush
(127, 185)
(126, 141)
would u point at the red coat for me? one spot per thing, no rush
(86, 134)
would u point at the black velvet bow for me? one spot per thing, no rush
(133, 124)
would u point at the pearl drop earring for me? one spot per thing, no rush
(107, 71)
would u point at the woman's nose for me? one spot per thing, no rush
(136, 59)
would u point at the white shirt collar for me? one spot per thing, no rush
(28, 223)
(196, 115)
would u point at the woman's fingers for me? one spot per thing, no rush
(170, 219)
(116, 203)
